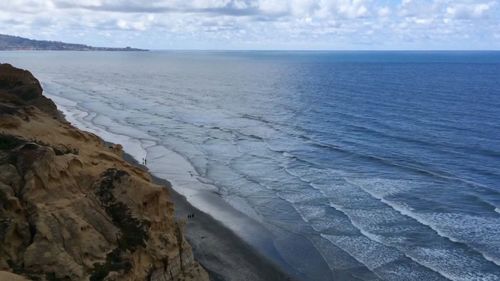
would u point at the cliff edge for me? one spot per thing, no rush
(71, 208)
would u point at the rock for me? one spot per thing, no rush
(7, 276)
(19, 88)
(71, 208)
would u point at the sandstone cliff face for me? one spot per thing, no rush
(71, 208)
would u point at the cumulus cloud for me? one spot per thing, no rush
(469, 10)
(384, 12)
(321, 24)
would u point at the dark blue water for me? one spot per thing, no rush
(361, 165)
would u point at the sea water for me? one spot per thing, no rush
(356, 165)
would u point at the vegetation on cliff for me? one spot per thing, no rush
(71, 208)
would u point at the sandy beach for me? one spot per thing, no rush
(222, 253)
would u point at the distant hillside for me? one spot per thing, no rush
(8, 43)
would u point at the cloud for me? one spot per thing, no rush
(140, 24)
(258, 23)
(348, 8)
(469, 10)
(384, 12)
(233, 7)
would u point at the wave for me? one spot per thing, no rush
(368, 259)
(412, 168)
(301, 166)
(404, 210)
(130, 144)
(381, 239)
(78, 116)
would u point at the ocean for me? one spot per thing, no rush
(336, 165)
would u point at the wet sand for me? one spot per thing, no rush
(221, 252)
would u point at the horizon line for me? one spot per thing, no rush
(267, 50)
(336, 50)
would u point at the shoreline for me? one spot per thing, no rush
(72, 207)
(223, 254)
(259, 247)
(255, 258)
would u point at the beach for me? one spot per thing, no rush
(224, 255)
(250, 140)
(96, 204)
(71, 207)
(331, 165)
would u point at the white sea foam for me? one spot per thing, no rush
(369, 220)
(76, 116)
(167, 164)
(368, 252)
(452, 227)
(264, 169)
(456, 227)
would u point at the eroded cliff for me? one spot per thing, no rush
(71, 208)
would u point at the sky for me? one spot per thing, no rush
(260, 24)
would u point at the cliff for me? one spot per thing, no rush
(71, 208)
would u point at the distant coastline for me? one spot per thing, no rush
(15, 43)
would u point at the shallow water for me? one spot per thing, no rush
(360, 165)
